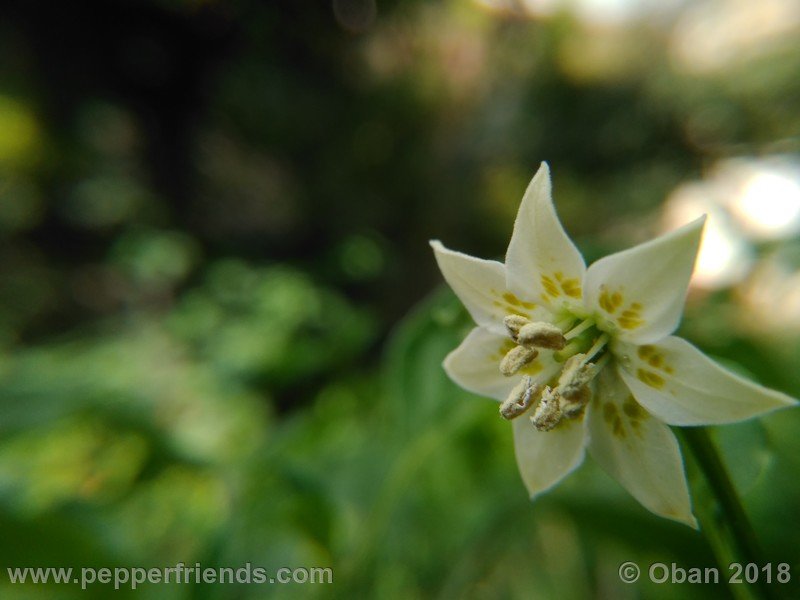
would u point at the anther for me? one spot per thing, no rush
(520, 399)
(548, 411)
(541, 335)
(517, 357)
(573, 384)
(573, 405)
(576, 374)
(513, 324)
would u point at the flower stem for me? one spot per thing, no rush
(729, 514)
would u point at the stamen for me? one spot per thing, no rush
(573, 385)
(578, 329)
(516, 358)
(542, 335)
(548, 412)
(565, 324)
(598, 345)
(513, 324)
(520, 399)
(574, 405)
(574, 346)
(601, 362)
(577, 373)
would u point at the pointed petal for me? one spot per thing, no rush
(542, 262)
(546, 457)
(640, 291)
(481, 287)
(475, 365)
(680, 385)
(638, 450)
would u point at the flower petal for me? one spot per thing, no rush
(481, 287)
(475, 365)
(542, 262)
(680, 385)
(640, 292)
(546, 457)
(638, 450)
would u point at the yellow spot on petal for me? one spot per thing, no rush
(627, 323)
(572, 288)
(635, 414)
(649, 378)
(645, 351)
(511, 299)
(504, 349)
(605, 301)
(631, 408)
(654, 358)
(532, 368)
(631, 318)
(612, 417)
(550, 286)
(511, 304)
(611, 302)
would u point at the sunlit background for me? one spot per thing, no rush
(221, 326)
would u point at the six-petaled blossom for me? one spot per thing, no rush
(584, 358)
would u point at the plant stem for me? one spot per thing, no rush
(731, 512)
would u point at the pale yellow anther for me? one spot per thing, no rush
(541, 335)
(573, 405)
(576, 375)
(520, 399)
(573, 389)
(548, 411)
(516, 358)
(513, 324)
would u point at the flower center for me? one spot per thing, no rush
(576, 344)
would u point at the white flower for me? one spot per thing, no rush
(583, 358)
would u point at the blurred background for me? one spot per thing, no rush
(221, 325)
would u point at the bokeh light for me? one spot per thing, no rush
(725, 256)
(767, 201)
(720, 34)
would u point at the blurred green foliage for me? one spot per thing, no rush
(218, 340)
